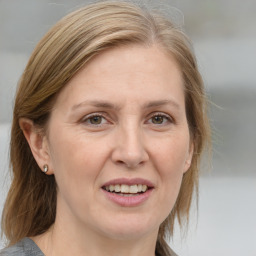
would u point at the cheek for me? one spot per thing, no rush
(67, 155)
(170, 160)
(76, 168)
(170, 155)
(69, 147)
(77, 159)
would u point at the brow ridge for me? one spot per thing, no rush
(108, 105)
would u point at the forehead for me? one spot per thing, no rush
(134, 73)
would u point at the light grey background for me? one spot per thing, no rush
(224, 36)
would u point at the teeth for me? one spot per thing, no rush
(133, 189)
(126, 189)
(117, 188)
(144, 188)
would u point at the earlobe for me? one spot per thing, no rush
(37, 143)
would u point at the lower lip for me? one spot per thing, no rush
(128, 201)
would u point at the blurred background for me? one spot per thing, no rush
(224, 37)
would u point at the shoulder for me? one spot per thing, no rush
(26, 247)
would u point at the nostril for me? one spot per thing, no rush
(128, 164)
(120, 162)
(129, 155)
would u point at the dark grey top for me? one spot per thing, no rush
(26, 247)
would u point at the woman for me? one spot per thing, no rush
(108, 129)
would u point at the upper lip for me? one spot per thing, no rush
(126, 181)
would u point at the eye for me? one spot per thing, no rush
(160, 119)
(94, 120)
(157, 119)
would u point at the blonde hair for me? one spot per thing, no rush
(30, 206)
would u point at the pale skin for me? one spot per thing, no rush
(122, 116)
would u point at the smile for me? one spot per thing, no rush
(125, 190)
(128, 192)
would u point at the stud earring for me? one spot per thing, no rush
(45, 168)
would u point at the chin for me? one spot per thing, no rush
(129, 228)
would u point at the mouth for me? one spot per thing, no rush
(127, 190)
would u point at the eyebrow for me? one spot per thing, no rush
(95, 103)
(159, 103)
(108, 105)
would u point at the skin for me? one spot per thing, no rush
(142, 132)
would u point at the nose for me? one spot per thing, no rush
(129, 149)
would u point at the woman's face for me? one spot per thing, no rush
(119, 143)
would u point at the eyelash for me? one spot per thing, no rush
(162, 115)
(87, 118)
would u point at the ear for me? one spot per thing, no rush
(37, 142)
(189, 157)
